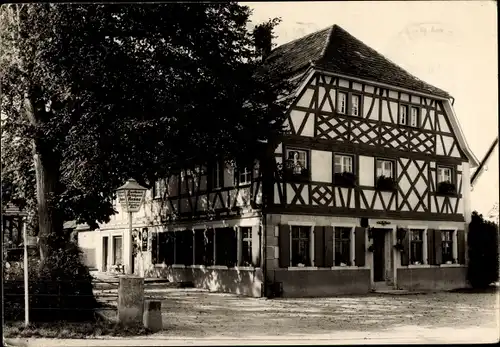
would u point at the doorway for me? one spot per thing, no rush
(379, 255)
(105, 252)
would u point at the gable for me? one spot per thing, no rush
(314, 114)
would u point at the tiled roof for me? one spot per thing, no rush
(335, 50)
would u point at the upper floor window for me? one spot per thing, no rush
(160, 188)
(355, 102)
(414, 116)
(403, 114)
(297, 163)
(343, 170)
(245, 175)
(216, 176)
(445, 180)
(385, 175)
(385, 168)
(342, 102)
(444, 174)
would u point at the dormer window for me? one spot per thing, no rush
(403, 114)
(342, 102)
(415, 112)
(355, 101)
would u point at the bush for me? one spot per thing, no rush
(60, 288)
(483, 244)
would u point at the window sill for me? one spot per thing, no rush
(298, 268)
(419, 266)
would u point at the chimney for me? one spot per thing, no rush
(263, 35)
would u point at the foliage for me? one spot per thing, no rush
(483, 244)
(61, 287)
(104, 92)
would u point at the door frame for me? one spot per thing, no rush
(392, 230)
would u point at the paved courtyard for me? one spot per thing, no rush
(193, 316)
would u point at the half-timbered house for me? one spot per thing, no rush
(370, 189)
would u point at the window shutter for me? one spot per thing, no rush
(284, 239)
(154, 247)
(319, 246)
(328, 232)
(405, 255)
(437, 247)
(359, 255)
(461, 246)
(431, 255)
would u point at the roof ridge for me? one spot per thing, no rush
(305, 36)
(328, 39)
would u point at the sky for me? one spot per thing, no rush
(451, 45)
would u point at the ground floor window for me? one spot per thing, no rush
(204, 247)
(117, 250)
(301, 255)
(246, 246)
(342, 241)
(166, 248)
(226, 247)
(416, 247)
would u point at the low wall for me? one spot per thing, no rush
(246, 282)
(323, 283)
(432, 278)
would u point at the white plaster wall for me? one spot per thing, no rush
(466, 193)
(366, 167)
(321, 166)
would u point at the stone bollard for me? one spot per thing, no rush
(130, 300)
(152, 315)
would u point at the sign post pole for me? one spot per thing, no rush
(26, 277)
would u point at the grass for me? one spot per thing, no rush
(71, 330)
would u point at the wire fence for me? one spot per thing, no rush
(59, 298)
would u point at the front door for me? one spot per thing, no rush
(378, 255)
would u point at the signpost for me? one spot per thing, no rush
(130, 196)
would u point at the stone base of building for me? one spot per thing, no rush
(432, 278)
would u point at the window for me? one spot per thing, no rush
(355, 101)
(343, 163)
(416, 246)
(403, 114)
(342, 102)
(246, 246)
(226, 247)
(166, 248)
(447, 246)
(300, 246)
(244, 175)
(216, 176)
(160, 188)
(297, 162)
(385, 168)
(414, 116)
(444, 174)
(117, 250)
(342, 242)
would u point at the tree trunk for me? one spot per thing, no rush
(47, 168)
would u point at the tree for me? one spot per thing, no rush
(483, 241)
(95, 94)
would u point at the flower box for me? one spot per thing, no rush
(344, 179)
(446, 188)
(385, 183)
